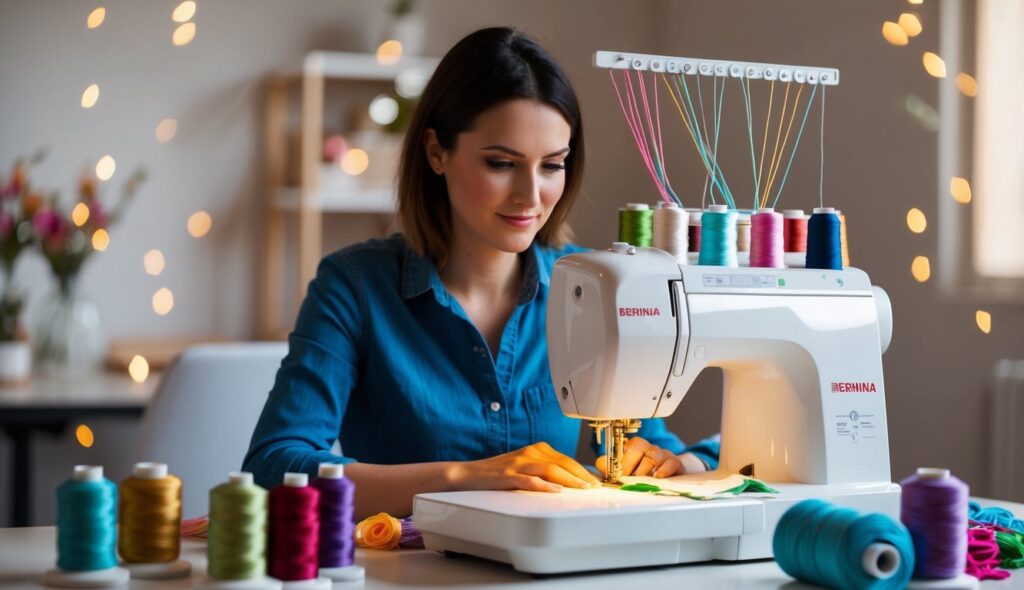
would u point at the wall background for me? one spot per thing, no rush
(879, 162)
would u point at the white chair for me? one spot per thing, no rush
(203, 413)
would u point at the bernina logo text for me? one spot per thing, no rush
(639, 312)
(847, 387)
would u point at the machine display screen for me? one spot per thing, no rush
(745, 281)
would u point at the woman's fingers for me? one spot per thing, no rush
(671, 466)
(532, 483)
(565, 462)
(635, 450)
(554, 474)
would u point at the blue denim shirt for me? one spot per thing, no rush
(384, 359)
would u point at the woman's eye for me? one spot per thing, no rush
(554, 166)
(499, 164)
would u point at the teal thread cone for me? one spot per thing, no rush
(830, 546)
(718, 237)
(86, 524)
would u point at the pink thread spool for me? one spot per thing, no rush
(766, 239)
(693, 230)
(794, 232)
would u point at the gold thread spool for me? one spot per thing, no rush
(149, 515)
(842, 239)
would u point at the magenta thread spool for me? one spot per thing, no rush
(693, 230)
(933, 506)
(794, 233)
(766, 239)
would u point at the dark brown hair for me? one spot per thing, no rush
(484, 69)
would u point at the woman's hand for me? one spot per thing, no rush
(538, 468)
(642, 458)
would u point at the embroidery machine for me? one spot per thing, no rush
(629, 330)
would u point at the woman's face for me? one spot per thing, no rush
(505, 174)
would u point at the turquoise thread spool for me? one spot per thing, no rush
(839, 548)
(636, 225)
(718, 237)
(824, 245)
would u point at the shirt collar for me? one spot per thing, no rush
(419, 275)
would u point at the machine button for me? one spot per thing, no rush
(495, 406)
(699, 353)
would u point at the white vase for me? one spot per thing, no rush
(68, 335)
(15, 362)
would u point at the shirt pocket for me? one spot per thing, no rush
(547, 422)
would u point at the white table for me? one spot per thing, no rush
(25, 553)
(49, 403)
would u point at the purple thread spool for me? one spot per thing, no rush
(693, 230)
(766, 239)
(337, 523)
(933, 506)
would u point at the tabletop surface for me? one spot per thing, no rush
(91, 390)
(26, 553)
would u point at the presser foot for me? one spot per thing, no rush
(614, 435)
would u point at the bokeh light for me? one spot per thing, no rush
(984, 320)
(138, 368)
(967, 85)
(96, 17)
(105, 167)
(163, 301)
(960, 188)
(199, 224)
(166, 130)
(184, 34)
(100, 240)
(153, 262)
(389, 52)
(90, 96)
(80, 214)
(355, 162)
(933, 64)
(84, 436)
(916, 220)
(184, 12)
(921, 268)
(894, 33)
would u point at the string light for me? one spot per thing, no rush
(960, 188)
(153, 262)
(184, 34)
(389, 52)
(984, 320)
(383, 110)
(105, 167)
(921, 269)
(138, 369)
(933, 64)
(84, 435)
(90, 96)
(163, 301)
(80, 214)
(96, 17)
(166, 130)
(967, 84)
(910, 24)
(355, 162)
(894, 33)
(184, 12)
(916, 220)
(916, 1)
(199, 224)
(100, 240)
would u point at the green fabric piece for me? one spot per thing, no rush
(752, 486)
(748, 485)
(1011, 549)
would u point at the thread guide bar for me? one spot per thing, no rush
(620, 60)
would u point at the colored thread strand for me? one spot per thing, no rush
(150, 519)
(745, 87)
(833, 547)
(380, 531)
(636, 225)
(821, 171)
(777, 155)
(635, 132)
(237, 538)
(824, 248)
(796, 144)
(86, 525)
(718, 237)
(764, 142)
(766, 243)
(982, 555)
(933, 506)
(337, 516)
(294, 532)
(724, 186)
(713, 169)
(1011, 549)
(995, 515)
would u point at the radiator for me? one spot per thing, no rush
(1006, 479)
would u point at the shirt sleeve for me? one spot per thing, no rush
(303, 413)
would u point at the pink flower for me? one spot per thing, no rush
(50, 226)
(98, 215)
(6, 225)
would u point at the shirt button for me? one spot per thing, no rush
(477, 349)
(495, 406)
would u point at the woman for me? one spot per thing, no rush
(424, 354)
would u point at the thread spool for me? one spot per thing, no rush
(837, 547)
(87, 532)
(295, 534)
(337, 524)
(824, 248)
(743, 232)
(718, 237)
(933, 506)
(671, 227)
(766, 242)
(794, 232)
(636, 225)
(844, 245)
(236, 550)
(694, 230)
(149, 516)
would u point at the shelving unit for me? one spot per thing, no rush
(304, 204)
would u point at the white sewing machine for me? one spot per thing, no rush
(629, 330)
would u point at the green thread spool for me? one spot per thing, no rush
(636, 225)
(237, 539)
(718, 237)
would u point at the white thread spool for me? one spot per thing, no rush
(671, 224)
